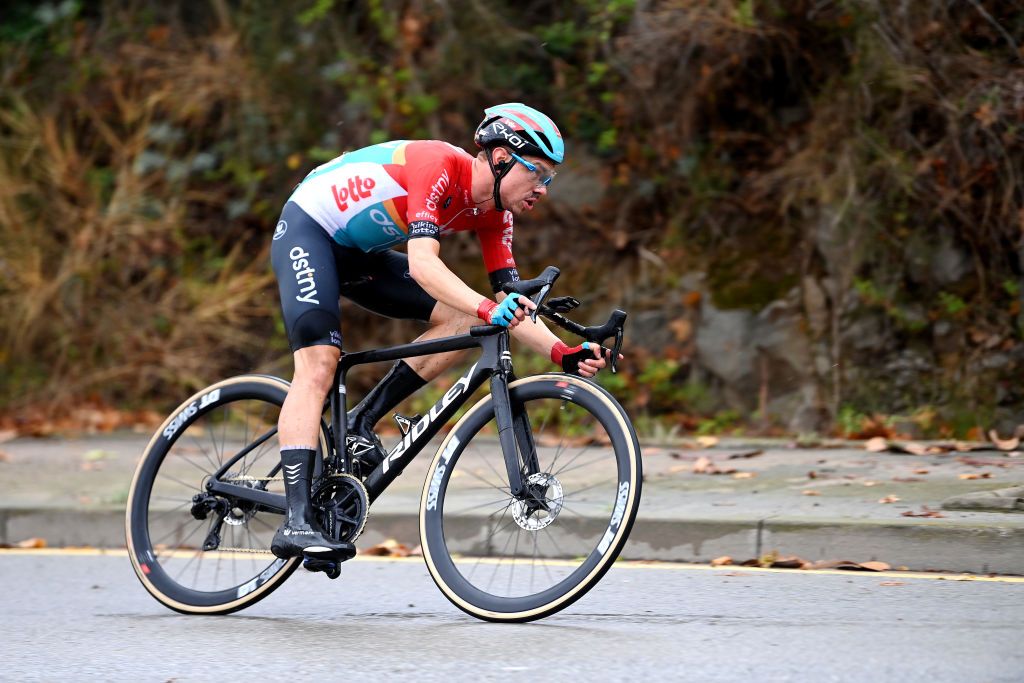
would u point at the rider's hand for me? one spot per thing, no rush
(509, 313)
(584, 360)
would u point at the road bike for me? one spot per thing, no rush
(528, 501)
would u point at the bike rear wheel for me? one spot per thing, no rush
(503, 559)
(171, 515)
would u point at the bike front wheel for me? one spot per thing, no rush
(502, 558)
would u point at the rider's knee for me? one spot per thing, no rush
(315, 367)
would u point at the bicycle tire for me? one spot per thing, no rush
(153, 564)
(608, 533)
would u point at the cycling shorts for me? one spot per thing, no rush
(313, 271)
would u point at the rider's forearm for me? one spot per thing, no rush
(536, 335)
(430, 273)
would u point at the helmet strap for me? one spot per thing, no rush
(499, 171)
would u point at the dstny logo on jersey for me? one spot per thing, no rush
(358, 189)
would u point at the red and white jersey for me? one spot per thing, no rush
(376, 197)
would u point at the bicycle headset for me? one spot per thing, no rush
(528, 131)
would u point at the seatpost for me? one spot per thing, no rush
(339, 421)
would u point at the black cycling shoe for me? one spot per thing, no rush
(292, 540)
(300, 534)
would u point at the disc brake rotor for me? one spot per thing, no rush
(543, 505)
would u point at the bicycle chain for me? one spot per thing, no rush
(253, 551)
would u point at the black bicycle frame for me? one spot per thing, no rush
(495, 362)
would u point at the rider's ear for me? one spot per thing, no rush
(501, 163)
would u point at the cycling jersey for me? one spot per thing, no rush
(379, 196)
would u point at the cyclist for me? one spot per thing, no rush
(335, 237)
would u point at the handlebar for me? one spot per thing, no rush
(537, 289)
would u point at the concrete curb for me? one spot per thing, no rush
(926, 544)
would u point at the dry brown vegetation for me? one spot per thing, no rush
(864, 157)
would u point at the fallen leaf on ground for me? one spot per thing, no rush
(868, 482)
(921, 471)
(875, 566)
(1004, 444)
(721, 561)
(850, 565)
(744, 475)
(877, 444)
(809, 492)
(389, 548)
(745, 454)
(812, 475)
(98, 454)
(916, 448)
(35, 542)
(907, 480)
(703, 465)
(925, 512)
(889, 499)
(976, 475)
(707, 441)
(892, 583)
(789, 562)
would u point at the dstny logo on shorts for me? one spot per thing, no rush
(303, 276)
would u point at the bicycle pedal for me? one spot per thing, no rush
(332, 568)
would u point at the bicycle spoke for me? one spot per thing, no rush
(202, 450)
(168, 512)
(191, 487)
(474, 507)
(592, 486)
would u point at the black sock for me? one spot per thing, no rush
(400, 383)
(297, 468)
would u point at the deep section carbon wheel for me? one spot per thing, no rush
(198, 551)
(505, 558)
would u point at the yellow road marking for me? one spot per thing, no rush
(622, 564)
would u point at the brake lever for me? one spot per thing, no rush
(615, 351)
(540, 297)
(614, 327)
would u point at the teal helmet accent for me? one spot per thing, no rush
(523, 128)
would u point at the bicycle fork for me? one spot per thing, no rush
(514, 433)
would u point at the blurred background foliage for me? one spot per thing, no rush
(813, 210)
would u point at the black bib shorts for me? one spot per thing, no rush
(313, 271)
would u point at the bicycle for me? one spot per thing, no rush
(209, 480)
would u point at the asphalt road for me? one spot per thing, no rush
(83, 616)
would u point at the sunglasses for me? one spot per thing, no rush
(544, 177)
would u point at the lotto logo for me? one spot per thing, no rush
(357, 189)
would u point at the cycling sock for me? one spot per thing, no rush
(297, 466)
(400, 383)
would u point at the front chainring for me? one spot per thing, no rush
(341, 506)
